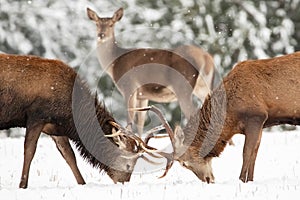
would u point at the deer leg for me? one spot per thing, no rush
(65, 149)
(31, 137)
(131, 104)
(253, 133)
(253, 159)
(141, 116)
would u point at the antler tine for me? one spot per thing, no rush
(155, 129)
(140, 109)
(170, 160)
(165, 124)
(149, 161)
(135, 156)
(143, 145)
(162, 119)
(118, 126)
(168, 156)
(138, 140)
(152, 135)
(154, 156)
(114, 133)
(151, 132)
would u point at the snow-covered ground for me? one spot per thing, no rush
(277, 175)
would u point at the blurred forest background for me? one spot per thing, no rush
(230, 30)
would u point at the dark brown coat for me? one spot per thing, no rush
(47, 95)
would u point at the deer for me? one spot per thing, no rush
(46, 95)
(251, 97)
(159, 75)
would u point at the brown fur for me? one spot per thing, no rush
(254, 95)
(47, 95)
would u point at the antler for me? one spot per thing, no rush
(150, 134)
(139, 142)
(168, 156)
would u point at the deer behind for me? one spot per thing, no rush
(153, 74)
(254, 95)
(45, 95)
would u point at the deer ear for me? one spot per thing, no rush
(179, 137)
(92, 14)
(118, 15)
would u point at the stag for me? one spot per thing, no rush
(48, 96)
(158, 75)
(254, 95)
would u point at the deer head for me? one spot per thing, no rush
(132, 148)
(189, 157)
(105, 26)
(184, 151)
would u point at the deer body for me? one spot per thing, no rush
(254, 95)
(47, 96)
(153, 74)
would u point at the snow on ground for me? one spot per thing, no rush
(276, 175)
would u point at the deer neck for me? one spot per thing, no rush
(210, 125)
(89, 127)
(108, 51)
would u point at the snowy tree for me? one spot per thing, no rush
(231, 31)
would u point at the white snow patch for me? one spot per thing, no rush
(277, 175)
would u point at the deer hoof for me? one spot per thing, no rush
(23, 185)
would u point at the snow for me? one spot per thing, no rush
(59, 29)
(277, 175)
(152, 14)
(258, 16)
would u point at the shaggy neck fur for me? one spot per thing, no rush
(90, 124)
(205, 130)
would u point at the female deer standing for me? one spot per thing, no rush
(153, 74)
